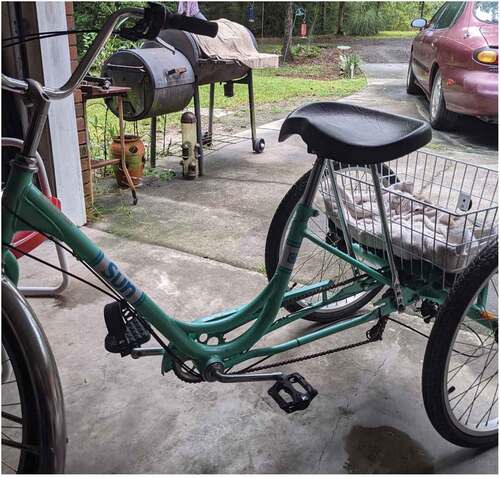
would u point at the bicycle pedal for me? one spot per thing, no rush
(125, 330)
(292, 393)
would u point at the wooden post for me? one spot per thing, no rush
(119, 100)
(340, 24)
(287, 29)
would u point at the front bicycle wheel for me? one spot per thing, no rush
(460, 371)
(313, 263)
(33, 426)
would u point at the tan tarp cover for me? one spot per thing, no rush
(234, 42)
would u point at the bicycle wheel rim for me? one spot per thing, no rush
(470, 348)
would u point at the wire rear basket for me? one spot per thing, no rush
(441, 212)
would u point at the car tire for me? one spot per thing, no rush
(411, 82)
(439, 117)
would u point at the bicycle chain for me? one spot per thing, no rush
(373, 335)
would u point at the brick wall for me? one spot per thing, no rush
(80, 113)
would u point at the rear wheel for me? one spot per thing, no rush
(314, 263)
(460, 371)
(440, 117)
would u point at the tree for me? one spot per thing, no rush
(287, 28)
(340, 23)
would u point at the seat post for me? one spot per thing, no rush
(396, 284)
(313, 181)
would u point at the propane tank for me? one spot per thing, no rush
(189, 161)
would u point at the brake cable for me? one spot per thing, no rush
(19, 39)
(113, 294)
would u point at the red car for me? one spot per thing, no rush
(454, 61)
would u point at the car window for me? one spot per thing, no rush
(436, 16)
(451, 12)
(486, 12)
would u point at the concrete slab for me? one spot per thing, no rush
(124, 417)
(232, 205)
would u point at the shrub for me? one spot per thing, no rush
(305, 51)
(363, 22)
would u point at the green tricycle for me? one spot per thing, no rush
(377, 227)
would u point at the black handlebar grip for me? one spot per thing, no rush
(175, 21)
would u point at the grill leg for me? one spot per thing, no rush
(152, 149)
(211, 113)
(197, 112)
(396, 285)
(251, 103)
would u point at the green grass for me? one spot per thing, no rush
(269, 88)
(394, 34)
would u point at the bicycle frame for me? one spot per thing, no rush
(21, 199)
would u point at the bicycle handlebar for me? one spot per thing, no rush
(169, 20)
(21, 87)
(175, 21)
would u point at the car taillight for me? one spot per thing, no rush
(486, 56)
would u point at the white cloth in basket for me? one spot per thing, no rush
(418, 229)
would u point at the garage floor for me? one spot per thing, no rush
(198, 247)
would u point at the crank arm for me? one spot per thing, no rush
(284, 392)
(214, 373)
(146, 352)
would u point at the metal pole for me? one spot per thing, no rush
(396, 285)
(340, 212)
(152, 148)
(197, 112)
(211, 113)
(252, 106)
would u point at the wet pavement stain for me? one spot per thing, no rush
(384, 450)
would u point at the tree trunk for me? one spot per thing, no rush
(287, 29)
(340, 23)
(325, 4)
(313, 25)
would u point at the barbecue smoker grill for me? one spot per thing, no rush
(165, 74)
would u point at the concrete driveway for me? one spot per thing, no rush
(198, 247)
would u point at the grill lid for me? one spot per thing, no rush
(166, 68)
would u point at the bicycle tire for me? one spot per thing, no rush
(41, 401)
(436, 385)
(275, 235)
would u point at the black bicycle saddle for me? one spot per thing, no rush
(355, 135)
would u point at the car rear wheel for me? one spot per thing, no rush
(440, 117)
(411, 82)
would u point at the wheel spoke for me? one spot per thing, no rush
(12, 418)
(8, 466)
(20, 446)
(488, 412)
(473, 385)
